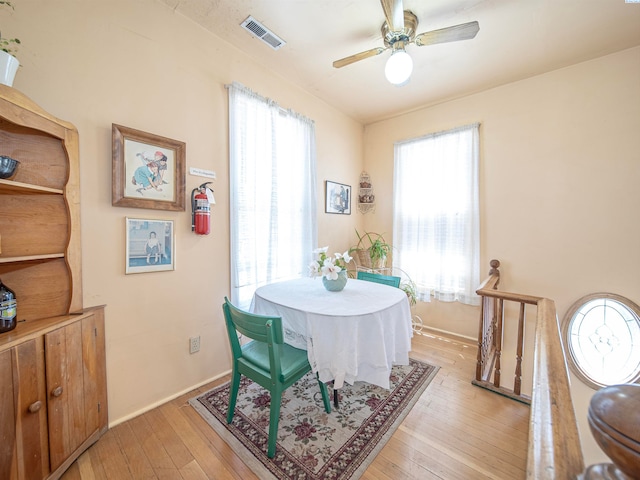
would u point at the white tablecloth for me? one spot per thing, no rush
(355, 334)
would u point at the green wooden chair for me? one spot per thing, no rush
(379, 278)
(266, 360)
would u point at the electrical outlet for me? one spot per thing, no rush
(194, 344)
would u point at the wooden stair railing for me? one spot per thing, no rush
(490, 336)
(554, 440)
(554, 451)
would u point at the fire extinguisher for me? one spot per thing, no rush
(200, 205)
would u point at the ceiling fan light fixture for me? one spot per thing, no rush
(398, 67)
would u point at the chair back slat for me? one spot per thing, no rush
(259, 328)
(254, 326)
(379, 278)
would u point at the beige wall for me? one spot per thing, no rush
(137, 64)
(560, 169)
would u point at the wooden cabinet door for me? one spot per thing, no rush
(23, 418)
(8, 460)
(95, 373)
(76, 384)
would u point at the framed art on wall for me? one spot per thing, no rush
(148, 170)
(150, 245)
(337, 198)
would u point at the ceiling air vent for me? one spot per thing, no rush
(256, 29)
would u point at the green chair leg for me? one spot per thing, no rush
(233, 394)
(274, 419)
(325, 395)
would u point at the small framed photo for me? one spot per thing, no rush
(337, 198)
(148, 170)
(150, 245)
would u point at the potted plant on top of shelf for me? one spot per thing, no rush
(375, 247)
(8, 47)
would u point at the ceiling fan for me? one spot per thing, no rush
(398, 31)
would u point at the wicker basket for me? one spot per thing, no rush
(362, 257)
(363, 260)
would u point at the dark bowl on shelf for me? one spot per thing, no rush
(8, 166)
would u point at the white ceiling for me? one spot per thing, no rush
(517, 39)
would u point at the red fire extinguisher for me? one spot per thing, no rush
(200, 206)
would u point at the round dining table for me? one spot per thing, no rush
(356, 334)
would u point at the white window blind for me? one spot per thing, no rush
(272, 192)
(436, 225)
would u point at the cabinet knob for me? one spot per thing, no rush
(35, 406)
(56, 392)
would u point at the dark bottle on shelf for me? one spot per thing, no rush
(8, 308)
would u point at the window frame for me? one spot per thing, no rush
(259, 253)
(460, 281)
(567, 322)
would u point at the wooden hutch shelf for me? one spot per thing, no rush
(7, 186)
(53, 388)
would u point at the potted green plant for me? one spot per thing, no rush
(8, 47)
(410, 289)
(376, 247)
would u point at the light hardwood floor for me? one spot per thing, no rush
(455, 431)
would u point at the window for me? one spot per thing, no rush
(436, 214)
(602, 335)
(272, 193)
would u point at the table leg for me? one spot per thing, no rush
(335, 397)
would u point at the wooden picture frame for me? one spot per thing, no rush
(150, 245)
(148, 170)
(337, 198)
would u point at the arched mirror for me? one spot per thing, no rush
(601, 335)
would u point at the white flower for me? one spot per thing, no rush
(320, 253)
(330, 270)
(314, 269)
(328, 267)
(345, 256)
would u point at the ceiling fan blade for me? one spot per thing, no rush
(394, 14)
(358, 56)
(464, 31)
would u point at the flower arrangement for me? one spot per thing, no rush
(328, 267)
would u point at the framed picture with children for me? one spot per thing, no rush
(150, 245)
(148, 170)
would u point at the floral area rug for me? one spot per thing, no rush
(311, 443)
